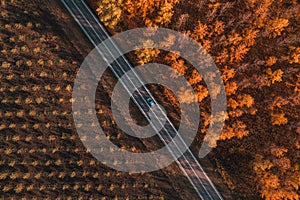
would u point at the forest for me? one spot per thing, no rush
(255, 45)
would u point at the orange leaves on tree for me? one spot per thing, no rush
(142, 8)
(232, 103)
(295, 84)
(214, 5)
(276, 26)
(278, 119)
(219, 27)
(201, 92)
(179, 66)
(170, 95)
(243, 104)
(270, 181)
(230, 88)
(203, 33)
(110, 12)
(275, 76)
(146, 10)
(222, 57)
(245, 100)
(277, 184)
(271, 61)
(236, 112)
(237, 129)
(234, 38)
(200, 31)
(176, 63)
(260, 165)
(278, 152)
(283, 164)
(278, 102)
(165, 14)
(262, 12)
(250, 36)
(147, 54)
(195, 77)
(294, 55)
(242, 100)
(239, 52)
(228, 74)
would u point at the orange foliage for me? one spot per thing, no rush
(110, 12)
(146, 55)
(165, 14)
(278, 152)
(232, 103)
(250, 36)
(201, 92)
(271, 61)
(245, 100)
(200, 31)
(276, 26)
(294, 54)
(237, 129)
(277, 184)
(283, 164)
(176, 63)
(195, 77)
(218, 27)
(228, 74)
(274, 76)
(146, 10)
(239, 52)
(278, 119)
(278, 102)
(230, 88)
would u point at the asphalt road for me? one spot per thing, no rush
(189, 165)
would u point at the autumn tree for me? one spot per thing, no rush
(276, 26)
(278, 119)
(147, 54)
(203, 33)
(176, 63)
(110, 11)
(278, 178)
(3, 4)
(274, 76)
(165, 13)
